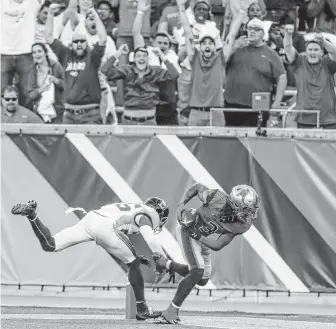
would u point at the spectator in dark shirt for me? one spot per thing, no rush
(141, 84)
(105, 11)
(43, 73)
(12, 112)
(314, 80)
(166, 113)
(254, 67)
(81, 66)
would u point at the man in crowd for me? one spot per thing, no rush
(109, 227)
(198, 15)
(219, 219)
(105, 11)
(18, 36)
(127, 13)
(166, 113)
(12, 112)
(315, 84)
(81, 66)
(253, 68)
(141, 83)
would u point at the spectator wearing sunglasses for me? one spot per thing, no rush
(12, 112)
(253, 68)
(81, 66)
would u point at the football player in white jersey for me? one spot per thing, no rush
(110, 226)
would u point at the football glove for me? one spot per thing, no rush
(160, 264)
(144, 260)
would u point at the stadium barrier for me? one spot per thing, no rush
(292, 170)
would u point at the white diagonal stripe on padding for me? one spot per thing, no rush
(256, 240)
(121, 188)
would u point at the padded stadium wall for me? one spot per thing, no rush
(292, 245)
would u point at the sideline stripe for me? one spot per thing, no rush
(120, 187)
(262, 247)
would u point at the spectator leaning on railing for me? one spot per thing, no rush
(253, 68)
(313, 74)
(166, 113)
(81, 66)
(141, 83)
(12, 112)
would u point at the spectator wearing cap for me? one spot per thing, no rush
(208, 75)
(313, 74)
(199, 22)
(17, 37)
(127, 13)
(81, 66)
(166, 113)
(141, 83)
(253, 68)
(12, 112)
(107, 15)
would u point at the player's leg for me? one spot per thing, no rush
(192, 253)
(64, 239)
(119, 245)
(206, 254)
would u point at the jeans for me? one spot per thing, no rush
(202, 118)
(91, 117)
(19, 64)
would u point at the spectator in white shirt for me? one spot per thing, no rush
(166, 109)
(17, 38)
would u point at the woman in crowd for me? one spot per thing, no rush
(46, 85)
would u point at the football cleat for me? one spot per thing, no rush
(171, 315)
(149, 313)
(23, 209)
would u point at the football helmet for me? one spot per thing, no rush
(161, 208)
(246, 201)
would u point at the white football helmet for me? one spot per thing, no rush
(246, 201)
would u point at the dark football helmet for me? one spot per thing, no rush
(161, 208)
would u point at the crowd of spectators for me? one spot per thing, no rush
(167, 62)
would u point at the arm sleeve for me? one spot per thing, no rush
(170, 74)
(112, 72)
(148, 235)
(97, 54)
(330, 63)
(197, 189)
(60, 50)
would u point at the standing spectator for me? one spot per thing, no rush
(207, 67)
(43, 74)
(325, 12)
(17, 38)
(277, 9)
(141, 89)
(81, 66)
(166, 113)
(254, 67)
(127, 13)
(12, 112)
(170, 19)
(106, 14)
(314, 80)
(199, 20)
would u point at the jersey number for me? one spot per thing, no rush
(126, 207)
(209, 229)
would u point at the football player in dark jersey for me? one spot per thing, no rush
(212, 226)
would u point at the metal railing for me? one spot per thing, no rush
(282, 111)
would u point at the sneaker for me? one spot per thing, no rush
(149, 313)
(171, 315)
(28, 209)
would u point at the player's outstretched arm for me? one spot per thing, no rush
(222, 241)
(146, 230)
(196, 189)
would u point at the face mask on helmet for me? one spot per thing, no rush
(245, 201)
(161, 208)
